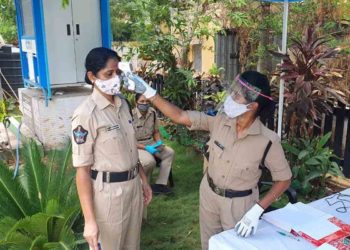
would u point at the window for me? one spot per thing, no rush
(197, 57)
(27, 17)
(226, 54)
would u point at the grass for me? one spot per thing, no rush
(173, 221)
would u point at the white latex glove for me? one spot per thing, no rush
(249, 223)
(133, 82)
(125, 67)
(137, 84)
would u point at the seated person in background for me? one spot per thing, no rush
(150, 145)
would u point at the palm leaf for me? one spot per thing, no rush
(67, 241)
(38, 242)
(5, 224)
(71, 216)
(36, 174)
(54, 228)
(51, 168)
(62, 183)
(14, 201)
(17, 241)
(52, 207)
(32, 226)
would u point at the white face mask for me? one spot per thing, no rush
(110, 87)
(234, 109)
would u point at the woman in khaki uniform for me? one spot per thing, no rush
(109, 180)
(150, 145)
(229, 196)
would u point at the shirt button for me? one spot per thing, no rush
(223, 176)
(227, 161)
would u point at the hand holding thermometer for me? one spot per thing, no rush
(126, 67)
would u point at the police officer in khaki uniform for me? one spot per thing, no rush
(150, 145)
(229, 196)
(111, 186)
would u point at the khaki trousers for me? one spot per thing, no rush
(118, 210)
(217, 213)
(148, 162)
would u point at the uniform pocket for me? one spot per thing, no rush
(108, 204)
(216, 148)
(102, 204)
(116, 201)
(249, 173)
(110, 141)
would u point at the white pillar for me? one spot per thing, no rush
(284, 51)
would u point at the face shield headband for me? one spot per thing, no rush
(246, 90)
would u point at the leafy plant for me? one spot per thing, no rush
(217, 97)
(64, 3)
(311, 160)
(3, 111)
(216, 71)
(40, 207)
(8, 107)
(8, 28)
(163, 29)
(308, 82)
(180, 88)
(183, 136)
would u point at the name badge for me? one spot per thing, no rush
(113, 127)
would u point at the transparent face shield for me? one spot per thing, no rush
(242, 92)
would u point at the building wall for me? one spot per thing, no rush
(207, 53)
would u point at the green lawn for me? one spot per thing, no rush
(173, 221)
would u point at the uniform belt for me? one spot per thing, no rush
(228, 193)
(117, 176)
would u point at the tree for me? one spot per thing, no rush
(8, 28)
(163, 29)
(265, 60)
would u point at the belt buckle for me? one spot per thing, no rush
(133, 172)
(108, 177)
(217, 190)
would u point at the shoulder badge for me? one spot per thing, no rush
(80, 134)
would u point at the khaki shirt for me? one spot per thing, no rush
(103, 136)
(145, 126)
(234, 163)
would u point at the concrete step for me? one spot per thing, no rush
(14, 86)
(9, 71)
(10, 63)
(11, 79)
(12, 56)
